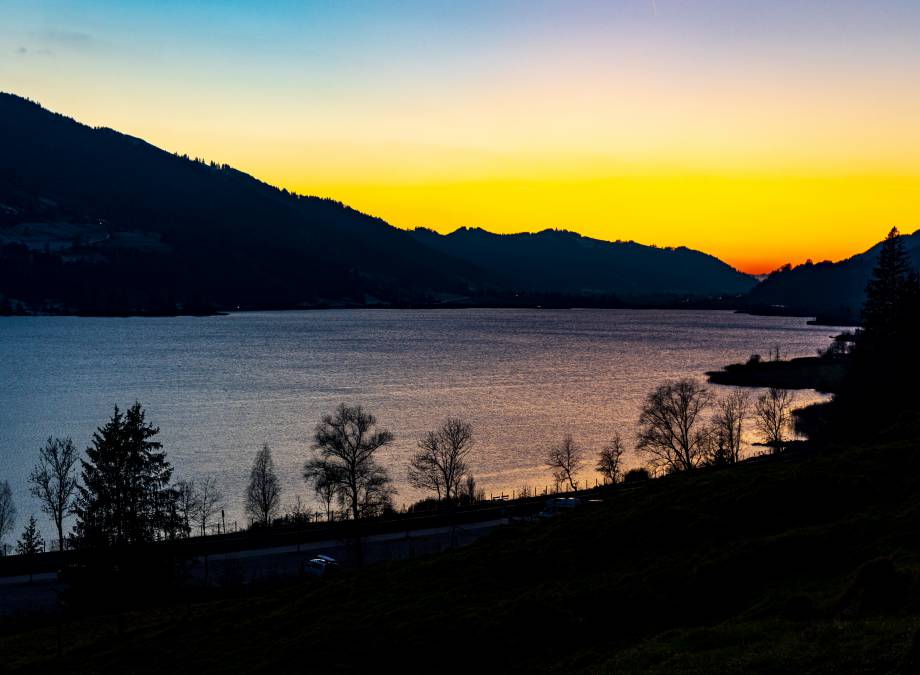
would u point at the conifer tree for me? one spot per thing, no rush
(891, 294)
(125, 497)
(30, 543)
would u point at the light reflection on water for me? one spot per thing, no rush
(219, 387)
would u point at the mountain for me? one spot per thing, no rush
(120, 224)
(95, 221)
(566, 262)
(833, 292)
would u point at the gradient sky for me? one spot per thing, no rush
(762, 131)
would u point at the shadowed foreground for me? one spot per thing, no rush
(794, 562)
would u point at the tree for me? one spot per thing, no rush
(186, 504)
(30, 543)
(263, 496)
(298, 513)
(53, 481)
(207, 502)
(324, 478)
(565, 461)
(125, 496)
(7, 512)
(470, 490)
(608, 464)
(727, 430)
(670, 432)
(891, 293)
(773, 415)
(886, 362)
(440, 464)
(348, 441)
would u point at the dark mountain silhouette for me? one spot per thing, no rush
(95, 221)
(212, 235)
(566, 262)
(833, 292)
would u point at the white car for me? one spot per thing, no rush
(320, 566)
(557, 505)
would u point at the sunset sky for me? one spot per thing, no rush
(762, 131)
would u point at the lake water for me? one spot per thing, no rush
(220, 387)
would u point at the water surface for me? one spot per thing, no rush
(220, 387)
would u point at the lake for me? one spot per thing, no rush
(220, 387)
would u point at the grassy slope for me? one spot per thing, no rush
(805, 563)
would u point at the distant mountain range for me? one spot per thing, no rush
(832, 292)
(566, 262)
(95, 221)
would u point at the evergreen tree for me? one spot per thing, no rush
(125, 497)
(881, 382)
(891, 295)
(30, 543)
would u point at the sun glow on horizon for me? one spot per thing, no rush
(763, 134)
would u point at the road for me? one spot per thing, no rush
(21, 597)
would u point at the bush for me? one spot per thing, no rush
(634, 475)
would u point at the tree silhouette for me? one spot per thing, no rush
(773, 411)
(726, 436)
(348, 441)
(610, 460)
(891, 294)
(186, 504)
(53, 481)
(7, 512)
(671, 432)
(30, 543)
(125, 496)
(324, 477)
(565, 460)
(263, 495)
(207, 502)
(441, 462)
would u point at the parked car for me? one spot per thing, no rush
(557, 505)
(320, 566)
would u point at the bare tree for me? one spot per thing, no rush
(297, 513)
(7, 512)
(53, 481)
(263, 496)
(608, 464)
(670, 425)
(773, 411)
(565, 461)
(347, 440)
(470, 489)
(207, 502)
(727, 431)
(186, 503)
(440, 464)
(325, 480)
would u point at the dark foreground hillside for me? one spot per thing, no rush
(804, 562)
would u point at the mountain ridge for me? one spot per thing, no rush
(96, 221)
(831, 291)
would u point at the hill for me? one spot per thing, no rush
(834, 292)
(793, 563)
(561, 261)
(129, 226)
(95, 221)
